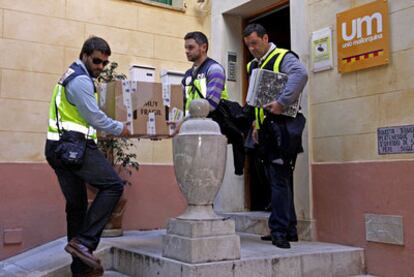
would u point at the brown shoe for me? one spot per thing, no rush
(78, 250)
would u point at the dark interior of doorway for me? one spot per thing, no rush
(277, 24)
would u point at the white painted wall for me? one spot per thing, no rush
(225, 37)
(300, 40)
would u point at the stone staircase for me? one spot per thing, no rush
(139, 254)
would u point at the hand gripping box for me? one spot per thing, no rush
(145, 106)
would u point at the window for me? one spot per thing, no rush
(168, 2)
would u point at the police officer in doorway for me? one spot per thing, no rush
(279, 135)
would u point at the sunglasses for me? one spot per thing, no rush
(99, 61)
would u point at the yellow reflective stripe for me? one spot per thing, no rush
(278, 60)
(203, 87)
(276, 51)
(224, 93)
(58, 96)
(190, 96)
(191, 91)
(260, 116)
(52, 123)
(92, 131)
(70, 126)
(55, 136)
(269, 58)
(248, 67)
(187, 91)
(73, 127)
(52, 136)
(57, 102)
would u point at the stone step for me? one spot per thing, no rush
(256, 223)
(250, 222)
(140, 254)
(114, 274)
(258, 258)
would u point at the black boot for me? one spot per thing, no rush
(280, 242)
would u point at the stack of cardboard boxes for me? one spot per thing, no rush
(144, 105)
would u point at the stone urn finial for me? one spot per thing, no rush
(199, 152)
(199, 108)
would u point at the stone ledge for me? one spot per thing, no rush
(199, 229)
(201, 250)
(256, 223)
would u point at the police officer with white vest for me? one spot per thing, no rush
(73, 109)
(277, 134)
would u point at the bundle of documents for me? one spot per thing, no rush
(265, 87)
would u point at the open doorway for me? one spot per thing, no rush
(277, 23)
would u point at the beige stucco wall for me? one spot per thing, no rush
(40, 38)
(348, 108)
(343, 110)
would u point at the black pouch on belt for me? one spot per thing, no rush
(71, 148)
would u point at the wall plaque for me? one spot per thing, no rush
(396, 140)
(322, 49)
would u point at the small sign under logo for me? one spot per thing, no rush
(322, 49)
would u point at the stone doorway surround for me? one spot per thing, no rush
(227, 19)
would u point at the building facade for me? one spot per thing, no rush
(346, 190)
(38, 40)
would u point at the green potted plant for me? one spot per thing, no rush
(117, 152)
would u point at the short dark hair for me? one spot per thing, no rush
(254, 27)
(95, 43)
(199, 37)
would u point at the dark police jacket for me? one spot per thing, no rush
(280, 136)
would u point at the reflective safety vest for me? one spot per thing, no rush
(272, 62)
(197, 84)
(68, 115)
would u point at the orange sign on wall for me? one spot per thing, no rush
(363, 36)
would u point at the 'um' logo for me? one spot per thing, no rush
(357, 26)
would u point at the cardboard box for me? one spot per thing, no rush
(171, 77)
(144, 105)
(142, 73)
